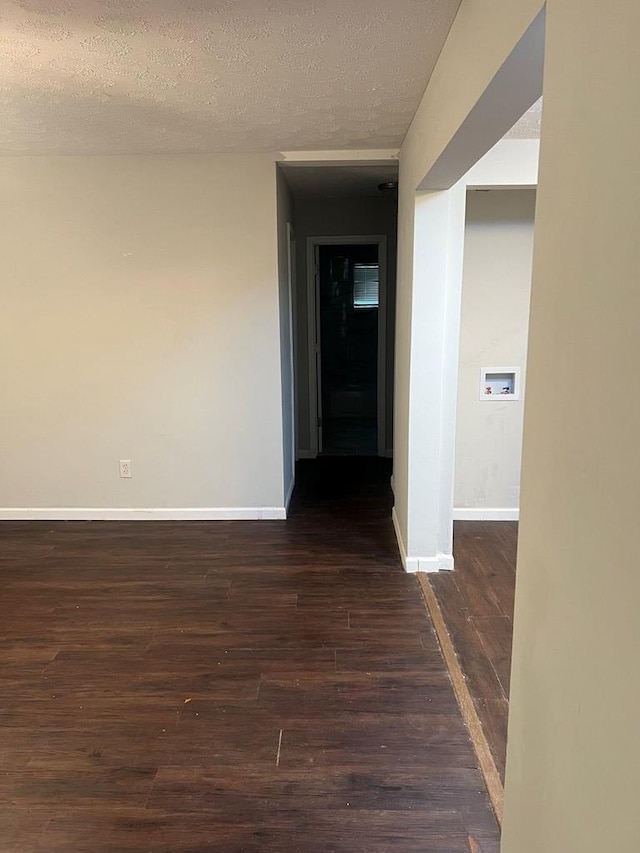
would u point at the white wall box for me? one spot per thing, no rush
(500, 383)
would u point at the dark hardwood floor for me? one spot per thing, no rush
(230, 686)
(477, 604)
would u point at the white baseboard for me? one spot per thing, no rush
(438, 563)
(240, 513)
(489, 514)
(306, 454)
(287, 499)
(399, 540)
(435, 563)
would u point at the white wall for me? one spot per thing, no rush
(493, 332)
(427, 308)
(428, 329)
(332, 217)
(140, 320)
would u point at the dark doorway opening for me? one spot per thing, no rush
(349, 302)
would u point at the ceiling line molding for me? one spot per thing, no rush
(372, 157)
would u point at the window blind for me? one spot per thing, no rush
(366, 285)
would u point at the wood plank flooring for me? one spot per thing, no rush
(477, 604)
(230, 686)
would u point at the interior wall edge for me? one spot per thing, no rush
(433, 563)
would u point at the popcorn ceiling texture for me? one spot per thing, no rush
(153, 76)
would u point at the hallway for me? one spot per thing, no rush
(230, 686)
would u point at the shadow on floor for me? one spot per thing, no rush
(358, 481)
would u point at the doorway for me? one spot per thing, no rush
(347, 330)
(345, 205)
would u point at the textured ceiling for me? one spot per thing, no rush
(529, 125)
(111, 76)
(338, 181)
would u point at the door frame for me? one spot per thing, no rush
(313, 332)
(291, 346)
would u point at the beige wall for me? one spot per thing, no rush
(332, 217)
(493, 332)
(574, 745)
(481, 38)
(140, 320)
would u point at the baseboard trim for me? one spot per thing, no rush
(435, 563)
(264, 513)
(438, 563)
(399, 540)
(489, 514)
(289, 495)
(306, 454)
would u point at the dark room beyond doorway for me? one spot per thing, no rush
(349, 302)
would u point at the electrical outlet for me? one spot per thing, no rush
(125, 468)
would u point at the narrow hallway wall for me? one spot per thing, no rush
(493, 332)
